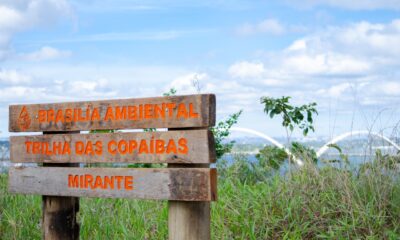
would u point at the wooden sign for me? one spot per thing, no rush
(159, 112)
(196, 146)
(188, 182)
(184, 184)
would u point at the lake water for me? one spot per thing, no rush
(355, 161)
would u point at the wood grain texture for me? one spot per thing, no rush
(59, 214)
(183, 184)
(190, 220)
(126, 114)
(195, 146)
(59, 220)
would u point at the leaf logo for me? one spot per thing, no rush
(24, 121)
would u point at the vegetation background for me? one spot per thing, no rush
(309, 203)
(256, 200)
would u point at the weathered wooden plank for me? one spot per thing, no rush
(59, 214)
(59, 218)
(183, 184)
(189, 220)
(159, 112)
(195, 146)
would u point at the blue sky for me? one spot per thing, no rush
(344, 55)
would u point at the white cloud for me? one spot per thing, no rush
(356, 39)
(189, 83)
(357, 62)
(246, 69)
(356, 49)
(267, 26)
(21, 15)
(298, 45)
(270, 26)
(335, 91)
(390, 88)
(10, 19)
(326, 63)
(71, 82)
(17, 87)
(364, 37)
(232, 95)
(13, 77)
(87, 87)
(331, 64)
(46, 53)
(274, 82)
(12, 94)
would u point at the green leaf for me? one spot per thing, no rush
(292, 116)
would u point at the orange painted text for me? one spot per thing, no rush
(89, 181)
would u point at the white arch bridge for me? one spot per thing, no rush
(324, 148)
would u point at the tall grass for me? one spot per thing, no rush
(309, 203)
(312, 202)
(20, 217)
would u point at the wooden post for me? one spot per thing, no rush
(189, 190)
(189, 220)
(59, 213)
